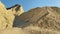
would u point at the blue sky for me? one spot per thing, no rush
(28, 4)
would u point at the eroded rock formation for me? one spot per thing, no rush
(7, 16)
(40, 20)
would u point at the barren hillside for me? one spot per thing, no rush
(40, 20)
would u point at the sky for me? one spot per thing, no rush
(29, 4)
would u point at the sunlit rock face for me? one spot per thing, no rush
(7, 16)
(3, 16)
(16, 9)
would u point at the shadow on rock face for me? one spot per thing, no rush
(31, 17)
(18, 23)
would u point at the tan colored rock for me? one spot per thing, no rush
(7, 16)
(45, 20)
(16, 9)
(3, 13)
(2, 6)
(20, 11)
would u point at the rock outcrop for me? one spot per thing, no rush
(2, 8)
(17, 9)
(7, 16)
(40, 20)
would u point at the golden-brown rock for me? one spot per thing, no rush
(7, 16)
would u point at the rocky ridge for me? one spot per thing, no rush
(40, 20)
(7, 16)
